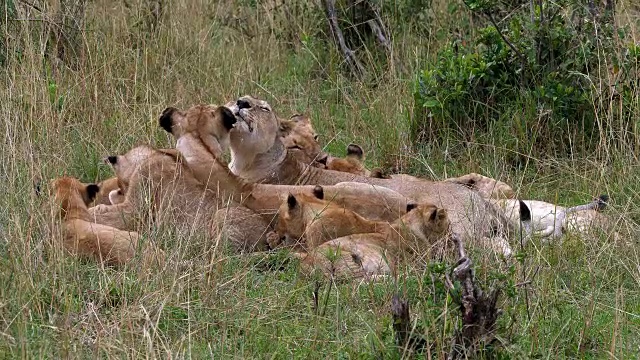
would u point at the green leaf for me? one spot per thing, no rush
(431, 103)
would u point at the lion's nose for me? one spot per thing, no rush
(243, 104)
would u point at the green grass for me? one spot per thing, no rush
(583, 295)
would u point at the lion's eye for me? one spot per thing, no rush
(315, 137)
(264, 108)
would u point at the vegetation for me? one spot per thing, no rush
(556, 119)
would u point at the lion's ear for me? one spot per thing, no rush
(318, 192)
(378, 173)
(525, 212)
(411, 206)
(92, 191)
(300, 119)
(355, 151)
(228, 119)
(285, 127)
(434, 215)
(166, 119)
(37, 187)
(291, 201)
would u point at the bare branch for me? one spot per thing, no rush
(354, 64)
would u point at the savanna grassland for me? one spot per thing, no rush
(82, 80)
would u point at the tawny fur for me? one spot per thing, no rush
(487, 187)
(378, 253)
(85, 238)
(369, 201)
(302, 219)
(162, 191)
(472, 217)
(106, 187)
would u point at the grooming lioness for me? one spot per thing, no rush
(369, 201)
(472, 217)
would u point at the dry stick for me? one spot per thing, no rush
(479, 310)
(402, 327)
(354, 64)
(401, 320)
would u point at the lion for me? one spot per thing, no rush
(472, 216)
(353, 163)
(210, 126)
(84, 238)
(301, 217)
(372, 202)
(161, 190)
(104, 195)
(373, 254)
(487, 187)
(301, 140)
(215, 133)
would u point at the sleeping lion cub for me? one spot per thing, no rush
(373, 248)
(313, 221)
(84, 238)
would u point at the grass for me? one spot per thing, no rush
(583, 295)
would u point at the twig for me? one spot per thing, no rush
(479, 311)
(504, 38)
(402, 326)
(354, 64)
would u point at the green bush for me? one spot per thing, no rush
(559, 60)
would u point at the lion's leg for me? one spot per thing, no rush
(244, 229)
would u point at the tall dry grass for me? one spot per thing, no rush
(132, 60)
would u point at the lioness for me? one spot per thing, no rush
(487, 187)
(160, 190)
(472, 217)
(373, 254)
(369, 201)
(84, 238)
(209, 126)
(302, 217)
(548, 221)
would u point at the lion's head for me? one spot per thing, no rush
(256, 128)
(212, 124)
(352, 163)
(126, 165)
(293, 214)
(487, 187)
(301, 140)
(71, 193)
(427, 222)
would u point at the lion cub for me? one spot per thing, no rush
(87, 239)
(301, 140)
(369, 255)
(353, 163)
(107, 187)
(303, 217)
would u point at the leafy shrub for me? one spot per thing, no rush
(560, 65)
